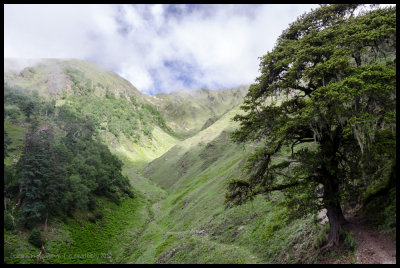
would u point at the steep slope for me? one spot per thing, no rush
(67, 180)
(189, 111)
(127, 122)
(133, 130)
(193, 225)
(53, 76)
(56, 92)
(176, 160)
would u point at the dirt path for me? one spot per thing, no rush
(373, 246)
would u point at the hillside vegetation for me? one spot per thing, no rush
(284, 171)
(194, 225)
(178, 198)
(119, 111)
(189, 111)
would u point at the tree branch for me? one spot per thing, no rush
(301, 140)
(278, 187)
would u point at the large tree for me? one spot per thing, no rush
(322, 112)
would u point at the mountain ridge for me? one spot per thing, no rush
(49, 76)
(187, 111)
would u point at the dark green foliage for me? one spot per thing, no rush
(92, 219)
(98, 215)
(348, 241)
(13, 112)
(322, 237)
(157, 117)
(29, 105)
(34, 165)
(8, 252)
(381, 211)
(8, 223)
(92, 203)
(121, 115)
(35, 238)
(7, 141)
(10, 182)
(323, 110)
(100, 235)
(63, 163)
(29, 109)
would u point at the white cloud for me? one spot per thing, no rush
(156, 47)
(51, 30)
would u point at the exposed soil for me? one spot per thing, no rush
(374, 247)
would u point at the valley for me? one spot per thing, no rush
(178, 213)
(298, 167)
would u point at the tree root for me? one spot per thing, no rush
(329, 246)
(38, 257)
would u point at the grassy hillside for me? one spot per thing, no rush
(193, 225)
(128, 123)
(53, 76)
(189, 111)
(178, 214)
(88, 233)
(130, 127)
(96, 172)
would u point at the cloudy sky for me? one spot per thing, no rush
(159, 48)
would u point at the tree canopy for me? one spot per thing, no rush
(63, 164)
(322, 112)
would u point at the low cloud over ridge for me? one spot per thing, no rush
(159, 48)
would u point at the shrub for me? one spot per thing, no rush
(92, 219)
(8, 222)
(381, 212)
(12, 111)
(65, 219)
(322, 238)
(98, 215)
(8, 253)
(349, 242)
(92, 205)
(35, 238)
(129, 193)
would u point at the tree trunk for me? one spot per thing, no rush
(336, 220)
(18, 203)
(330, 180)
(45, 221)
(334, 211)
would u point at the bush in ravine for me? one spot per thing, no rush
(98, 215)
(92, 219)
(8, 223)
(35, 238)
